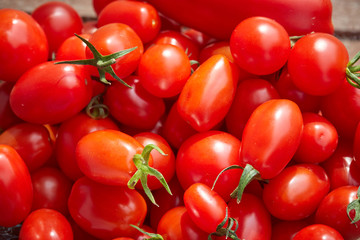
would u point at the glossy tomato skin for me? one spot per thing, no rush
(7, 116)
(51, 93)
(296, 192)
(142, 17)
(271, 136)
(198, 199)
(134, 107)
(318, 232)
(218, 19)
(356, 145)
(16, 188)
(315, 71)
(286, 89)
(51, 189)
(23, 43)
(319, 139)
(342, 109)
(69, 134)
(115, 37)
(176, 224)
(46, 224)
(341, 167)
(164, 70)
(31, 141)
(332, 212)
(208, 93)
(250, 93)
(110, 160)
(165, 164)
(260, 41)
(72, 48)
(204, 155)
(99, 5)
(251, 211)
(100, 209)
(59, 21)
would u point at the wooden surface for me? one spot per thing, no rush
(346, 16)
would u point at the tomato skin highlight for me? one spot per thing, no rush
(15, 187)
(271, 136)
(208, 93)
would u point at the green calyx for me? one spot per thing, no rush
(102, 63)
(229, 231)
(353, 71)
(96, 109)
(153, 236)
(141, 162)
(354, 206)
(248, 175)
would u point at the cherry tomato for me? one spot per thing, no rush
(319, 139)
(99, 5)
(69, 134)
(341, 167)
(317, 63)
(198, 199)
(296, 192)
(142, 17)
(260, 45)
(59, 21)
(51, 93)
(72, 48)
(286, 230)
(318, 232)
(176, 224)
(342, 109)
(207, 95)
(164, 70)
(100, 209)
(110, 160)
(286, 89)
(332, 212)
(7, 116)
(165, 164)
(51, 189)
(46, 224)
(251, 211)
(31, 141)
(204, 155)
(23, 44)
(15, 187)
(271, 136)
(115, 37)
(356, 145)
(134, 107)
(250, 93)
(200, 38)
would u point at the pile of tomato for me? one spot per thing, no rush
(151, 122)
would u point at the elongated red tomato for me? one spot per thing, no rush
(106, 211)
(318, 232)
(15, 187)
(106, 156)
(271, 136)
(207, 95)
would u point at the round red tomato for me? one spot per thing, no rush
(142, 17)
(51, 189)
(332, 212)
(260, 45)
(296, 192)
(72, 48)
(317, 63)
(51, 93)
(319, 139)
(59, 21)
(15, 187)
(106, 211)
(31, 141)
(204, 155)
(271, 136)
(164, 70)
(23, 44)
(46, 224)
(318, 232)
